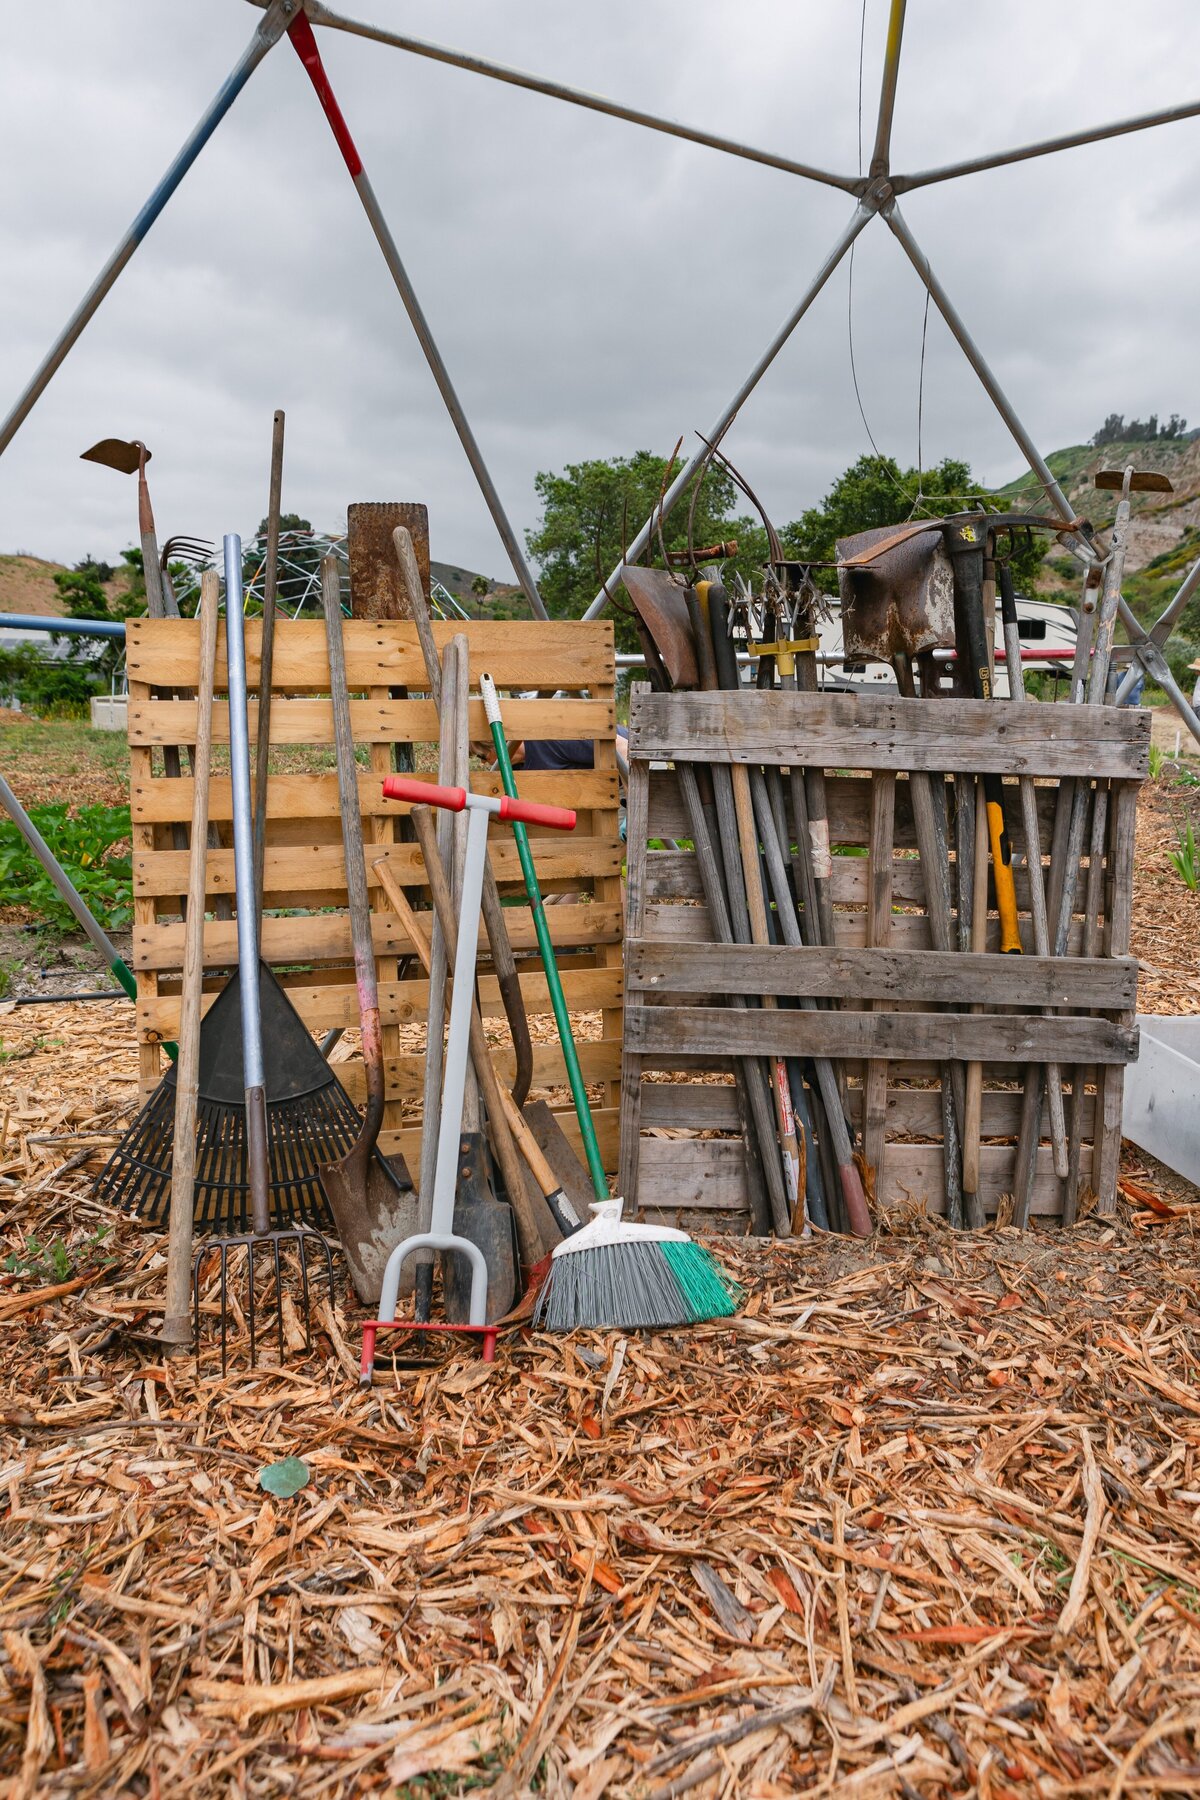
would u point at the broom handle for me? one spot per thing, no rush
(177, 1324)
(562, 1018)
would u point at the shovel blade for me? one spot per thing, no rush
(373, 1212)
(487, 1222)
(900, 604)
(662, 615)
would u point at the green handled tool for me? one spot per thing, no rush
(591, 1149)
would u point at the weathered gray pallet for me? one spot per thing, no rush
(681, 1157)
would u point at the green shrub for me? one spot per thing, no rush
(45, 687)
(86, 844)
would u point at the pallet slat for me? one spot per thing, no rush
(310, 721)
(963, 1037)
(517, 653)
(842, 731)
(325, 937)
(950, 977)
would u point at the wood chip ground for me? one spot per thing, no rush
(924, 1519)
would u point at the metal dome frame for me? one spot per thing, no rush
(875, 195)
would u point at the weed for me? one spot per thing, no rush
(54, 1262)
(447, 1784)
(1185, 859)
(1157, 759)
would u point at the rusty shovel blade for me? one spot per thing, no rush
(661, 607)
(373, 1211)
(901, 603)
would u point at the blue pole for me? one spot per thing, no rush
(95, 628)
(270, 30)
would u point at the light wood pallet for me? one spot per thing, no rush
(681, 1160)
(306, 928)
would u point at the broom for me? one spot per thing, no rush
(609, 1273)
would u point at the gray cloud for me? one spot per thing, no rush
(595, 288)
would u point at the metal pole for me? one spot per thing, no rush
(305, 46)
(270, 30)
(1162, 628)
(243, 816)
(558, 90)
(920, 262)
(902, 184)
(881, 155)
(858, 219)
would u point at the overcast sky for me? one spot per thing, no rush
(596, 288)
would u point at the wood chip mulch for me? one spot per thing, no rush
(923, 1519)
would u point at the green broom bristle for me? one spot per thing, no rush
(634, 1286)
(706, 1288)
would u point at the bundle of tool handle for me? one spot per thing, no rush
(754, 804)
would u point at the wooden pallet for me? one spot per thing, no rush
(681, 1160)
(306, 928)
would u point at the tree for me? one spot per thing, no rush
(1115, 430)
(82, 591)
(874, 492)
(592, 509)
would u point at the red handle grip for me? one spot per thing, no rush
(529, 812)
(423, 793)
(454, 799)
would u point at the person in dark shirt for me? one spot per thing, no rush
(565, 753)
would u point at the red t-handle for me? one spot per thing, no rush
(423, 793)
(529, 812)
(525, 812)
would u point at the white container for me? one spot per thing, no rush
(1161, 1088)
(110, 712)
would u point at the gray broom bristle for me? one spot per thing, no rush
(629, 1287)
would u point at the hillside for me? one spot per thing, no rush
(27, 586)
(1164, 538)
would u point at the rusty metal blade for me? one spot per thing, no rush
(661, 607)
(901, 603)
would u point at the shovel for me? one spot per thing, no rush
(372, 1208)
(663, 625)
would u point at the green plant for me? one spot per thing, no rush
(87, 844)
(1157, 759)
(54, 1261)
(1185, 859)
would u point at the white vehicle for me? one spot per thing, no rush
(1045, 627)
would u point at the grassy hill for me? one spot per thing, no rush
(1164, 538)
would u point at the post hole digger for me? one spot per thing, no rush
(441, 1234)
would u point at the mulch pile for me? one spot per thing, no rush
(923, 1519)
